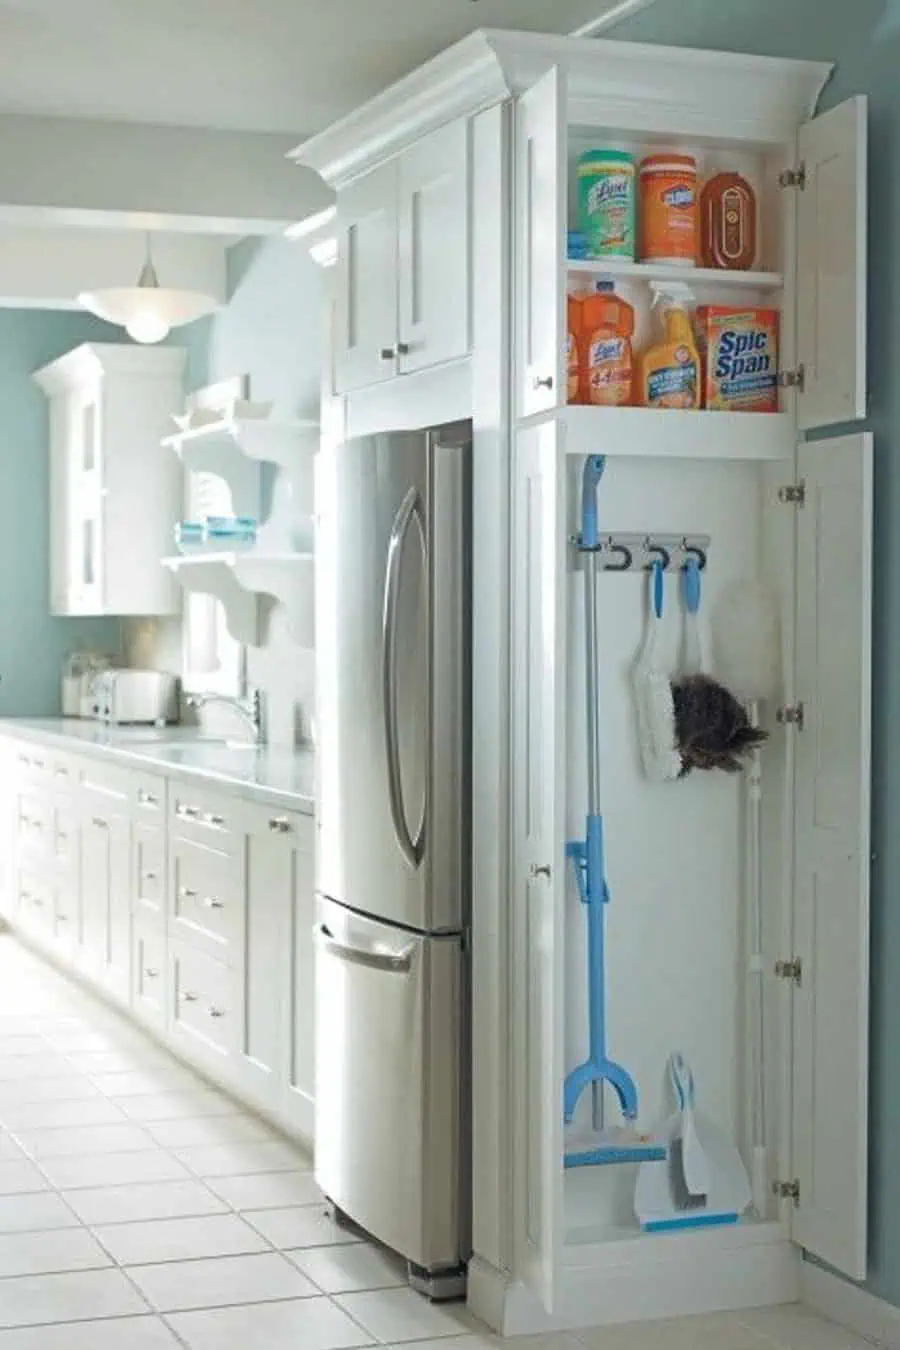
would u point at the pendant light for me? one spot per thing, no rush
(148, 312)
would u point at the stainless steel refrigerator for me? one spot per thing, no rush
(393, 681)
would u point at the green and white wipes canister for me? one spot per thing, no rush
(606, 195)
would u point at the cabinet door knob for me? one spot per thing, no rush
(539, 870)
(218, 821)
(279, 825)
(99, 823)
(188, 997)
(210, 902)
(545, 382)
(147, 798)
(151, 972)
(216, 1012)
(187, 893)
(403, 349)
(187, 812)
(388, 353)
(150, 876)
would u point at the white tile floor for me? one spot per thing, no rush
(141, 1210)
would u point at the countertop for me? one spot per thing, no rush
(284, 778)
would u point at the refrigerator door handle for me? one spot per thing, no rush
(413, 849)
(392, 963)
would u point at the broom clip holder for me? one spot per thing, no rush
(621, 552)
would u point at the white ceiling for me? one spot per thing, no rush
(254, 65)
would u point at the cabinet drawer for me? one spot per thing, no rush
(148, 973)
(202, 999)
(207, 889)
(149, 796)
(103, 783)
(197, 814)
(149, 871)
(34, 825)
(34, 898)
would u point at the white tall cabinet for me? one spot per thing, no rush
(114, 498)
(556, 1247)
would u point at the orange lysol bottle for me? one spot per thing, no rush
(574, 344)
(607, 364)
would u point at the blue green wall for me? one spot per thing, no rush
(864, 39)
(33, 645)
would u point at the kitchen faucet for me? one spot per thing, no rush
(248, 708)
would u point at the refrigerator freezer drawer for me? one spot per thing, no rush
(388, 1114)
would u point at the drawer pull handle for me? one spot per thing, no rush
(100, 823)
(151, 972)
(279, 825)
(151, 876)
(188, 997)
(147, 798)
(187, 893)
(216, 1012)
(218, 821)
(545, 383)
(187, 812)
(388, 353)
(210, 902)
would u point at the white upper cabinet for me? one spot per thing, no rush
(403, 263)
(831, 867)
(114, 495)
(541, 243)
(434, 249)
(366, 341)
(831, 265)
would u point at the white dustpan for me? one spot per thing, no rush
(661, 1201)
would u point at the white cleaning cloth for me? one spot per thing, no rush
(654, 705)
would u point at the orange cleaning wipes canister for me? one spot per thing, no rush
(739, 351)
(669, 209)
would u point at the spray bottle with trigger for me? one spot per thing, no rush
(670, 367)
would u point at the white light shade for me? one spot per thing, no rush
(148, 309)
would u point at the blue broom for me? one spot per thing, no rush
(623, 1144)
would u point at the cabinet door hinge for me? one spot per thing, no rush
(793, 379)
(787, 1190)
(794, 178)
(791, 715)
(790, 970)
(793, 494)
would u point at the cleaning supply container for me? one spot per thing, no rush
(607, 323)
(669, 210)
(606, 203)
(669, 370)
(574, 342)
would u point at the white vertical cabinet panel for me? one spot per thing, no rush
(831, 880)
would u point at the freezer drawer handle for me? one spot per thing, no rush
(399, 964)
(410, 509)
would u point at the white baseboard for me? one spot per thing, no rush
(487, 1292)
(676, 1284)
(848, 1304)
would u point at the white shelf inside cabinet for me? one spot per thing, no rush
(238, 579)
(224, 447)
(696, 276)
(670, 434)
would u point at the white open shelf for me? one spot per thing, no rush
(648, 272)
(238, 579)
(224, 447)
(670, 433)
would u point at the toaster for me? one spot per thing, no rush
(122, 696)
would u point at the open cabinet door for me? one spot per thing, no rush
(541, 243)
(539, 748)
(831, 883)
(831, 266)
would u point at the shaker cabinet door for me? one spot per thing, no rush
(366, 326)
(541, 245)
(832, 853)
(831, 271)
(434, 236)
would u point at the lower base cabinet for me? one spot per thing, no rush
(191, 909)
